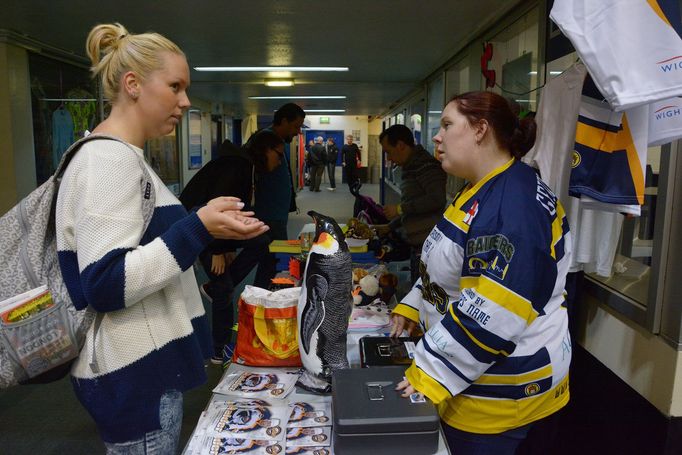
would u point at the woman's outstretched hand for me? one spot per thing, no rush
(223, 219)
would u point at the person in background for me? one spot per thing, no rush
(232, 174)
(306, 168)
(274, 191)
(151, 335)
(332, 152)
(496, 351)
(317, 159)
(350, 154)
(422, 191)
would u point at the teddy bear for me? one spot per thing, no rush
(367, 290)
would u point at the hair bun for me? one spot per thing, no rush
(523, 137)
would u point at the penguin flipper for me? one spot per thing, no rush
(313, 311)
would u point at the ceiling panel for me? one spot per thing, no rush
(389, 46)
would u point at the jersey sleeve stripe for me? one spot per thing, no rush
(465, 340)
(430, 387)
(508, 379)
(633, 162)
(484, 336)
(506, 298)
(521, 364)
(515, 392)
(406, 310)
(452, 232)
(428, 348)
(471, 336)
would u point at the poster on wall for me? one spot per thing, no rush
(356, 135)
(194, 149)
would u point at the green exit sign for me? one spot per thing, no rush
(324, 119)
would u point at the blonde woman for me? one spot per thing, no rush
(153, 337)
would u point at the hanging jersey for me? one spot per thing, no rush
(490, 299)
(556, 120)
(595, 236)
(632, 48)
(610, 153)
(665, 121)
(594, 233)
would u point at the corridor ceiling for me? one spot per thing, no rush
(390, 46)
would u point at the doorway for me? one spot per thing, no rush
(336, 135)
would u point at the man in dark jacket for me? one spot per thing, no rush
(231, 174)
(332, 152)
(317, 159)
(350, 154)
(422, 190)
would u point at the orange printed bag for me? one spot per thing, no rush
(267, 334)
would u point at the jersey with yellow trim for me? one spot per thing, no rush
(490, 299)
(609, 153)
(632, 48)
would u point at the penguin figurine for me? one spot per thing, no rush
(324, 306)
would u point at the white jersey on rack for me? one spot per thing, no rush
(665, 121)
(632, 48)
(594, 241)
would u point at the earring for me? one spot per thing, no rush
(134, 95)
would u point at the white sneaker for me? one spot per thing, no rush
(331, 189)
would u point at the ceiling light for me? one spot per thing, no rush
(294, 97)
(325, 110)
(271, 68)
(279, 82)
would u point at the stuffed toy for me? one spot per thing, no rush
(358, 274)
(388, 282)
(367, 291)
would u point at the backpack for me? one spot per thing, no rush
(365, 208)
(41, 347)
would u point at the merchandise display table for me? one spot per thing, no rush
(296, 396)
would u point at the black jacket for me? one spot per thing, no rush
(317, 155)
(228, 175)
(351, 154)
(332, 153)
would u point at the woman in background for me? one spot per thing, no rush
(150, 339)
(232, 174)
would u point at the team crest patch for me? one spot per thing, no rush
(575, 159)
(532, 389)
(471, 213)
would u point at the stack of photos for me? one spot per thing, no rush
(258, 411)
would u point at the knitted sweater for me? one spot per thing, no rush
(154, 333)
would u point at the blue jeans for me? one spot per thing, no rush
(159, 442)
(465, 443)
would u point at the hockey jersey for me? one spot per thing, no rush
(609, 155)
(665, 121)
(632, 48)
(490, 299)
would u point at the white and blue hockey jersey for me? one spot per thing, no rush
(609, 154)
(632, 48)
(496, 349)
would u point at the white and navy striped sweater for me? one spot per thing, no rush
(154, 334)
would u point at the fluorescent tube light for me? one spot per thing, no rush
(294, 97)
(271, 68)
(279, 83)
(324, 110)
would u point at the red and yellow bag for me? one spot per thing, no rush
(267, 334)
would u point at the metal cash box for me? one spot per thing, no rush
(370, 416)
